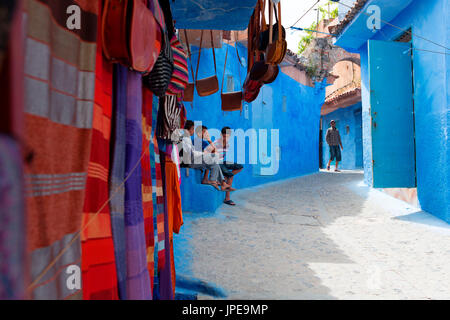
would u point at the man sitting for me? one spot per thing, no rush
(229, 168)
(200, 160)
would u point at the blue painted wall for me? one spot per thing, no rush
(286, 105)
(428, 19)
(352, 153)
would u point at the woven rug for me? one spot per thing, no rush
(59, 104)
(97, 247)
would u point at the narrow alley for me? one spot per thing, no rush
(321, 236)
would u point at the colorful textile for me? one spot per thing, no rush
(175, 214)
(138, 280)
(59, 104)
(12, 221)
(147, 201)
(166, 288)
(157, 188)
(180, 75)
(117, 176)
(97, 247)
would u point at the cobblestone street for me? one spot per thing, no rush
(322, 236)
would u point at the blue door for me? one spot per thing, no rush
(392, 111)
(358, 139)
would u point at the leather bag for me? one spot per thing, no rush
(190, 87)
(210, 85)
(131, 34)
(276, 50)
(251, 87)
(264, 36)
(231, 101)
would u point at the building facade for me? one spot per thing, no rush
(405, 70)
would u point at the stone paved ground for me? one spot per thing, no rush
(323, 236)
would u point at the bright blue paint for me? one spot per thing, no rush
(352, 153)
(196, 197)
(298, 126)
(357, 32)
(428, 19)
(212, 14)
(394, 164)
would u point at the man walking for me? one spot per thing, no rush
(333, 139)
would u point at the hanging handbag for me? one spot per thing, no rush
(131, 34)
(276, 50)
(251, 87)
(264, 37)
(159, 78)
(180, 75)
(189, 90)
(231, 101)
(210, 85)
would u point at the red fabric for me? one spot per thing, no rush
(174, 211)
(147, 201)
(98, 260)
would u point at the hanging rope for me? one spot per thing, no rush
(305, 13)
(303, 29)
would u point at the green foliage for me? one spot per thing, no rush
(306, 40)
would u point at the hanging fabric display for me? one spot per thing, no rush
(166, 289)
(147, 201)
(117, 176)
(168, 117)
(175, 215)
(55, 179)
(97, 247)
(157, 190)
(138, 280)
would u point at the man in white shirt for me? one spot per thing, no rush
(200, 160)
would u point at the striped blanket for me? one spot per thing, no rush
(147, 201)
(138, 280)
(158, 196)
(59, 104)
(97, 248)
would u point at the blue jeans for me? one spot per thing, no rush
(335, 153)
